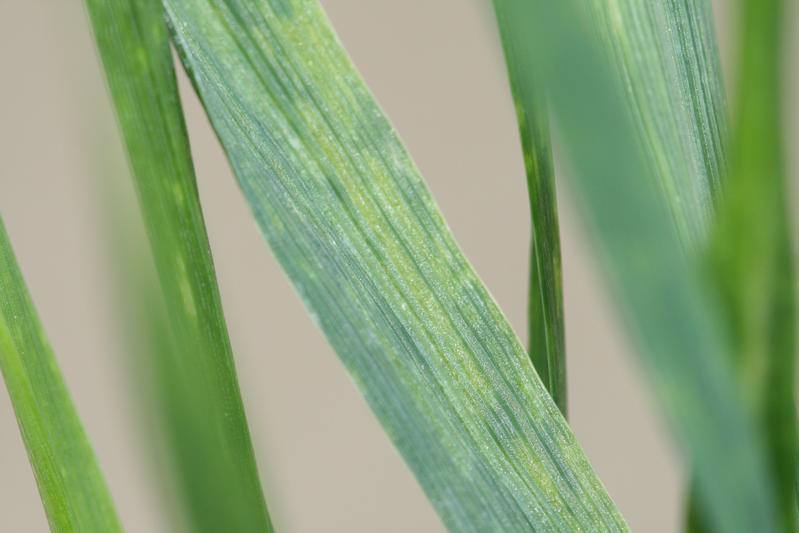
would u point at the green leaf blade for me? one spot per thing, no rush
(350, 220)
(682, 128)
(546, 333)
(71, 485)
(665, 53)
(751, 251)
(649, 250)
(194, 372)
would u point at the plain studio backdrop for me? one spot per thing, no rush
(325, 462)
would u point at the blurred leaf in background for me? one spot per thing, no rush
(751, 252)
(665, 55)
(649, 221)
(194, 375)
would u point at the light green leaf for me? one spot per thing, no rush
(72, 488)
(349, 218)
(195, 375)
(646, 247)
(547, 343)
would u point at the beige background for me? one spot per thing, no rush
(326, 465)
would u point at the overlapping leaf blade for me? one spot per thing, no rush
(349, 218)
(194, 374)
(649, 249)
(70, 483)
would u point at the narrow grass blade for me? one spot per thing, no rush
(201, 403)
(349, 218)
(546, 342)
(665, 51)
(751, 249)
(659, 287)
(70, 483)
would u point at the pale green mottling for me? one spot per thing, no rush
(349, 218)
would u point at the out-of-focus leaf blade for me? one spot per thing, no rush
(546, 336)
(671, 312)
(350, 220)
(70, 483)
(665, 53)
(198, 390)
(751, 249)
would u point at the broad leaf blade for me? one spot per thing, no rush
(199, 393)
(70, 483)
(546, 336)
(660, 288)
(349, 218)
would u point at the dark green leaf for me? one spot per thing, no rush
(546, 337)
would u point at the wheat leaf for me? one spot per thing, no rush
(646, 239)
(751, 250)
(665, 53)
(349, 218)
(71, 486)
(547, 343)
(194, 375)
